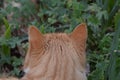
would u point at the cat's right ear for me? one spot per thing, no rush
(36, 38)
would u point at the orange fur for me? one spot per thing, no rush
(11, 78)
(56, 56)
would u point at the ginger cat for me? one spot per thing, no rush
(56, 56)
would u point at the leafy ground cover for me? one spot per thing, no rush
(101, 16)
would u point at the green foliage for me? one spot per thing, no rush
(101, 16)
(113, 49)
(6, 43)
(7, 35)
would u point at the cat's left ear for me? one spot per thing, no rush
(36, 38)
(79, 34)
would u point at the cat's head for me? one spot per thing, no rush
(53, 43)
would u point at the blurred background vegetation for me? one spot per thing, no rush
(101, 16)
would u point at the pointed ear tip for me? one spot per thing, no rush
(83, 24)
(31, 27)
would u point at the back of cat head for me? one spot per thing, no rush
(56, 49)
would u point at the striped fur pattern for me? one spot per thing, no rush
(56, 56)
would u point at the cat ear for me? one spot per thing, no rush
(35, 37)
(79, 34)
